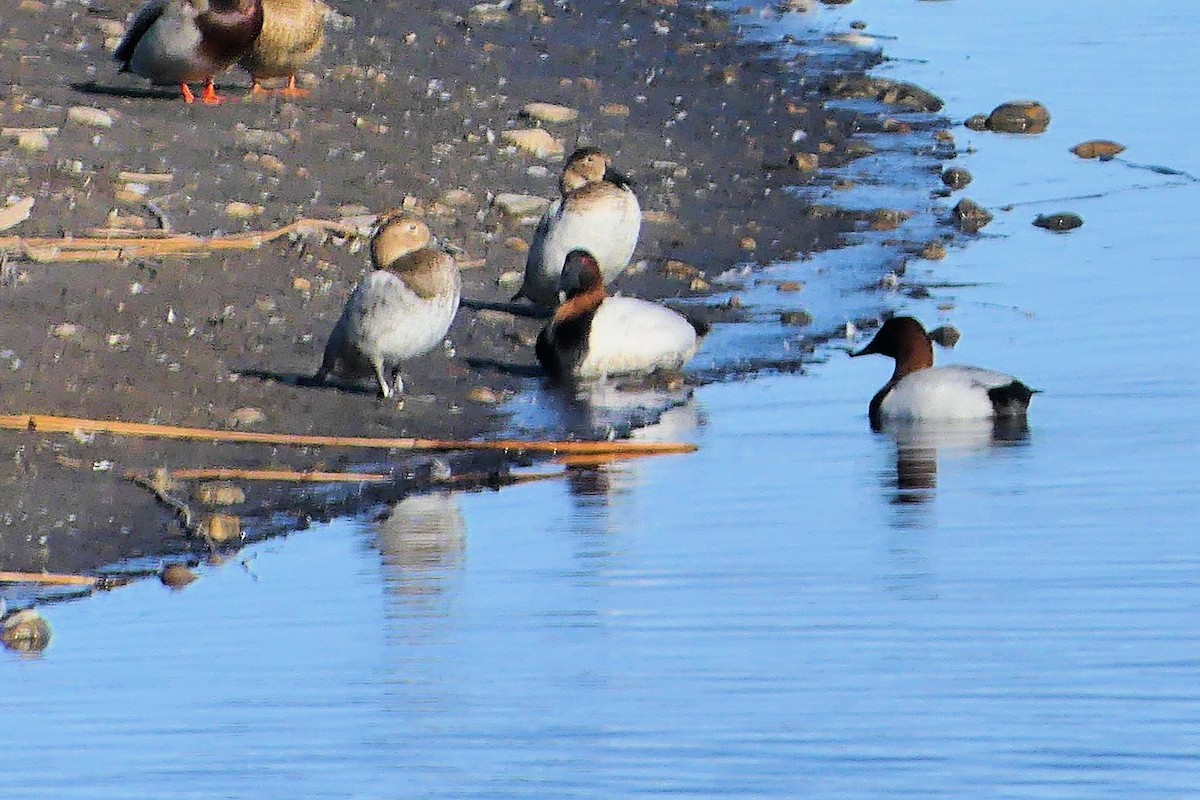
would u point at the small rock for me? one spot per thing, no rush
(805, 162)
(510, 278)
(222, 527)
(977, 122)
(970, 216)
(1019, 116)
(1098, 148)
(488, 13)
(220, 493)
(516, 244)
(176, 576)
(33, 142)
(239, 210)
(536, 141)
(674, 268)
(956, 178)
(65, 330)
(789, 286)
(747, 243)
(458, 198)
(650, 217)
(797, 318)
(520, 205)
(25, 632)
(482, 394)
(934, 251)
(92, 117)
(1060, 223)
(302, 284)
(615, 110)
(887, 219)
(245, 417)
(945, 335)
(863, 87)
(699, 285)
(550, 113)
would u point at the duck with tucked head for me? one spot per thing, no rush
(399, 311)
(187, 41)
(592, 336)
(598, 212)
(292, 34)
(920, 391)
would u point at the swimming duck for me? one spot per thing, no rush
(920, 391)
(592, 336)
(186, 41)
(401, 310)
(598, 212)
(292, 34)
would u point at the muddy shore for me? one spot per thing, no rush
(408, 105)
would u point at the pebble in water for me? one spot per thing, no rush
(1059, 223)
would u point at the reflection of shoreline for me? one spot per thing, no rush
(422, 540)
(919, 443)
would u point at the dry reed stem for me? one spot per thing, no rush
(100, 248)
(48, 578)
(45, 423)
(282, 475)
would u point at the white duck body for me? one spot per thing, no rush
(399, 311)
(602, 218)
(592, 336)
(629, 336)
(954, 392)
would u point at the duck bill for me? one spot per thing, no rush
(870, 349)
(614, 177)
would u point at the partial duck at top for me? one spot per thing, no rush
(402, 309)
(597, 212)
(592, 336)
(188, 41)
(292, 34)
(920, 391)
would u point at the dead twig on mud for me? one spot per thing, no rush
(45, 423)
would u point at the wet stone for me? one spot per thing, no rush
(535, 141)
(1102, 149)
(220, 493)
(977, 122)
(92, 117)
(797, 319)
(934, 251)
(805, 162)
(945, 335)
(1059, 223)
(550, 113)
(895, 93)
(1019, 116)
(25, 632)
(956, 178)
(245, 417)
(176, 576)
(520, 205)
(970, 216)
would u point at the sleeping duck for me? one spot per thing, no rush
(188, 41)
(920, 391)
(292, 34)
(592, 336)
(598, 212)
(399, 311)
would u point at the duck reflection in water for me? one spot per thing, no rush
(918, 444)
(423, 541)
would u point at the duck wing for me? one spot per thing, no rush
(145, 19)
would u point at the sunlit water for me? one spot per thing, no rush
(800, 609)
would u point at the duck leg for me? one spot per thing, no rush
(209, 96)
(188, 97)
(385, 385)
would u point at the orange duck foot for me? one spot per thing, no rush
(209, 96)
(188, 97)
(292, 90)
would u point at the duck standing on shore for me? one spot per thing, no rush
(292, 34)
(187, 41)
(592, 336)
(399, 311)
(598, 212)
(920, 391)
